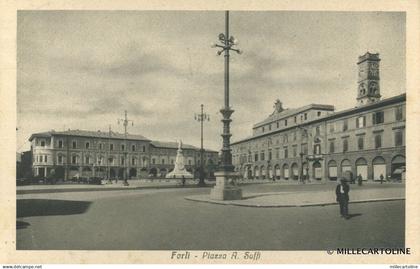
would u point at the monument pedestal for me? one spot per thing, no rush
(225, 188)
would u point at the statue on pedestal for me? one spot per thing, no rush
(179, 170)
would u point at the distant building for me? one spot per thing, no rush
(81, 154)
(24, 164)
(315, 142)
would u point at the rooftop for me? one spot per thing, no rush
(83, 133)
(342, 113)
(293, 111)
(174, 145)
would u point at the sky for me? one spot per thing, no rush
(82, 69)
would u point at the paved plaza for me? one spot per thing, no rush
(162, 219)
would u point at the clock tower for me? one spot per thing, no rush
(368, 82)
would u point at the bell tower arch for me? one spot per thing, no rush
(368, 82)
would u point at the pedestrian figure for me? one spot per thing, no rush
(183, 181)
(359, 180)
(381, 177)
(342, 194)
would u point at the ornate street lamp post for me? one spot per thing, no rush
(201, 118)
(221, 190)
(125, 122)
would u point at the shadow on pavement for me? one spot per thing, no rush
(46, 207)
(21, 224)
(350, 216)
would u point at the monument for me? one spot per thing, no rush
(179, 169)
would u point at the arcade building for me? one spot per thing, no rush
(317, 143)
(76, 153)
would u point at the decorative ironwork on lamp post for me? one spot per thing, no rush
(125, 122)
(226, 44)
(201, 118)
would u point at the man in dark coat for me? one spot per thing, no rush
(342, 194)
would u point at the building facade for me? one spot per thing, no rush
(83, 154)
(316, 143)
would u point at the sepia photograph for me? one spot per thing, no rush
(190, 133)
(218, 130)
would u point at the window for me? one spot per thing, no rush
(294, 136)
(144, 148)
(60, 159)
(101, 146)
(87, 159)
(294, 151)
(378, 141)
(269, 127)
(189, 162)
(295, 119)
(361, 122)
(345, 125)
(40, 158)
(285, 122)
(398, 138)
(163, 161)
(378, 117)
(74, 144)
(286, 153)
(87, 145)
(122, 147)
(262, 156)
(399, 113)
(122, 161)
(74, 159)
(133, 147)
(153, 161)
(256, 157)
(263, 129)
(317, 149)
(305, 116)
(319, 113)
(100, 160)
(45, 158)
(332, 146)
(42, 143)
(270, 155)
(285, 138)
(133, 161)
(111, 160)
(304, 133)
(111, 146)
(277, 153)
(278, 125)
(318, 130)
(345, 145)
(305, 149)
(360, 143)
(60, 144)
(332, 127)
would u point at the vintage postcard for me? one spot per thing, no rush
(197, 133)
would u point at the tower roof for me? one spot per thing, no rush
(369, 56)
